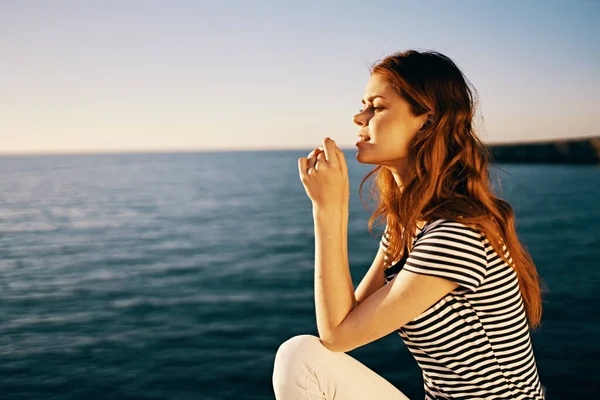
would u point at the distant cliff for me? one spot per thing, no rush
(567, 151)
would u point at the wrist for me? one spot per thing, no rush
(329, 212)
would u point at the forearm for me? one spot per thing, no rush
(334, 290)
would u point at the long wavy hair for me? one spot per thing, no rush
(449, 176)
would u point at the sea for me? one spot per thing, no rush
(177, 276)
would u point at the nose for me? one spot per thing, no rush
(360, 119)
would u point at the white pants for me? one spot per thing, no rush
(304, 369)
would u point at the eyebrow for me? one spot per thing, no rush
(370, 99)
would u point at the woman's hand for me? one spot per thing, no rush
(324, 174)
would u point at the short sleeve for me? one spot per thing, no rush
(385, 240)
(383, 245)
(450, 250)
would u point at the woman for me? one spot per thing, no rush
(462, 291)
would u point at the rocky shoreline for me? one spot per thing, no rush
(566, 151)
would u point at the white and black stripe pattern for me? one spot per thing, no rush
(474, 343)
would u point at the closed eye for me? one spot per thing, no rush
(373, 107)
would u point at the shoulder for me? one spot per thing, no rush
(452, 236)
(452, 250)
(450, 228)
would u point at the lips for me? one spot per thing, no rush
(364, 136)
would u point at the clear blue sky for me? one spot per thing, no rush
(116, 75)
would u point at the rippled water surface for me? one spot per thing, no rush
(178, 276)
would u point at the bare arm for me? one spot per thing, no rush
(334, 290)
(373, 279)
(435, 267)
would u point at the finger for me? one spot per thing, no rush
(312, 161)
(302, 167)
(329, 149)
(312, 156)
(321, 158)
(342, 159)
(315, 152)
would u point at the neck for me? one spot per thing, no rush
(399, 173)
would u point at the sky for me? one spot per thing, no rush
(127, 76)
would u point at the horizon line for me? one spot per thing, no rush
(244, 149)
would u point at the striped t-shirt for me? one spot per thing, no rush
(473, 343)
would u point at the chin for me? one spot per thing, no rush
(362, 158)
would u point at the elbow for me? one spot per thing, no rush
(335, 343)
(337, 338)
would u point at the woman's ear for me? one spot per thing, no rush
(428, 121)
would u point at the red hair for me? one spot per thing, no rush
(449, 177)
